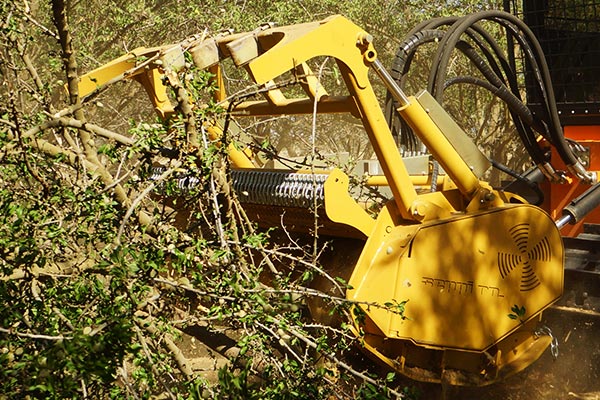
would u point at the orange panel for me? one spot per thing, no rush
(558, 196)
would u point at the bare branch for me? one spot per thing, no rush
(34, 336)
(332, 357)
(141, 197)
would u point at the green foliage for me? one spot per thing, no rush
(63, 327)
(517, 312)
(103, 271)
(397, 307)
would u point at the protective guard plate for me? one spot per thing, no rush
(461, 276)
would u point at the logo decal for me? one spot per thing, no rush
(525, 258)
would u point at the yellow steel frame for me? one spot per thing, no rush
(464, 203)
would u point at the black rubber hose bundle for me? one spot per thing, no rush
(500, 78)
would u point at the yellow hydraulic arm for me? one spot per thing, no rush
(269, 53)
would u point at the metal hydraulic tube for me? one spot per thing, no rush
(431, 135)
(580, 206)
(443, 151)
(383, 143)
(390, 84)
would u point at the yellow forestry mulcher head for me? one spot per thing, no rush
(450, 283)
(461, 275)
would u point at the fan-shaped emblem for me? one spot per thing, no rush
(525, 258)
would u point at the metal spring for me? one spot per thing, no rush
(184, 182)
(277, 188)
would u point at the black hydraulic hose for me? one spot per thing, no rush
(510, 77)
(557, 137)
(514, 110)
(516, 107)
(426, 32)
(431, 24)
(537, 64)
(404, 57)
(443, 55)
(400, 67)
(499, 72)
(447, 44)
(473, 31)
(513, 102)
(530, 184)
(408, 48)
(521, 115)
(402, 63)
(495, 52)
(510, 22)
(526, 134)
(495, 49)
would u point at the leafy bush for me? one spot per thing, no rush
(106, 264)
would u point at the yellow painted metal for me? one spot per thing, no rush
(384, 145)
(133, 66)
(381, 180)
(289, 47)
(101, 76)
(157, 91)
(520, 349)
(310, 82)
(238, 158)
(468, 151)
(416, 180)
(458, 367)
(491, 261)
(342, 208)
(474, 285)
(220, 94)
(327, 105)
(338, 215)
(442, 150)
(151, 77)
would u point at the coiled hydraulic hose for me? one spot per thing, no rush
(532, 50)
(500, 79)
(401, 67)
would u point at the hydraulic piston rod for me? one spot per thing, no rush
(580, 206)
(435, 128)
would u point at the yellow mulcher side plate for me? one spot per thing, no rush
(462, 277)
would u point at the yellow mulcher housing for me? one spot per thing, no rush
(463, 256)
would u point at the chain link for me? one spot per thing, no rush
(543, 330)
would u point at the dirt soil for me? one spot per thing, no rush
(575, 374)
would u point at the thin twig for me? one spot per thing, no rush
(336, 360)
(313, 140)
(302, 262)
(280, 340)
(34, 336)
(47, 31)
(141, 197)
(214, 198)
